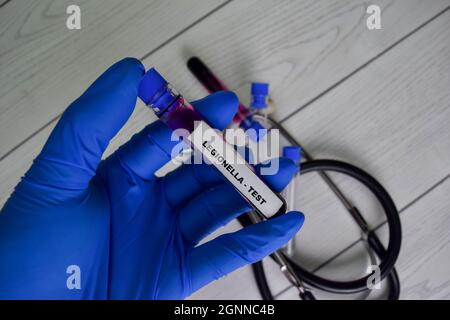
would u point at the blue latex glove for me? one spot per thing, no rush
(131, 235)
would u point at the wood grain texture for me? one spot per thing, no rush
(292, 45)
(424, 259)
(44, 66)
(391, 119)
(302, 48)
(220, 50)
(396, 122)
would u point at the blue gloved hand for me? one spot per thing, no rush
(77, 227)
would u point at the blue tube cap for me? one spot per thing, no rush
(260, 88)
(152, 83)
(294, 153)
(260, 91)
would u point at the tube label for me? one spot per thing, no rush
(235, 169)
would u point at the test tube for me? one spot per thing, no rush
(257, 119)
(172, 109)
(293, 153)
(243, 117)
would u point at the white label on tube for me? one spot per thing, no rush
(235, 169)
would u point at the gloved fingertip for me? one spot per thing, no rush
(296, 220)
(126, 73)
(130, 63)
(218, 109)
(282, 228)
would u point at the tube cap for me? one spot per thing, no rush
(260, 88)
(151, 84)
(293, 152)
(260, 91)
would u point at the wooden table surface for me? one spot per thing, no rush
(379, 99)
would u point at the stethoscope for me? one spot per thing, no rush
(299, 277)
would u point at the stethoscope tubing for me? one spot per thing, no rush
(387, 256)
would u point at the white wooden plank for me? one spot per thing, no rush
(326, 219)
(300, 47)
(44, 66)
(424, 261)
(230, 36)
(390, 119)
(351, 264)
(293, 45)
(268, 55)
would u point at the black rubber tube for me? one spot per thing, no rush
(258, 267)
(393, 221)
(261, 281)
(388, 257)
